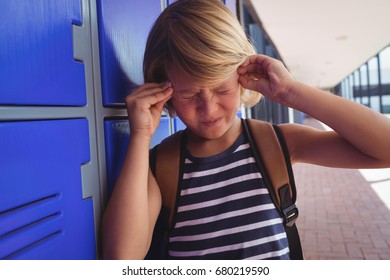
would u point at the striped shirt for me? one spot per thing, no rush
(224, 210)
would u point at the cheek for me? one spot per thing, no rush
(234, 100)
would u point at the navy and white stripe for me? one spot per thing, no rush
(224, 210)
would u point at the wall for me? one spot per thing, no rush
(65, 68)
(48, 189)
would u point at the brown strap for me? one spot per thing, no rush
(271, 153)
(167, 170)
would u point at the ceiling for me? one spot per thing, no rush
(322, 42)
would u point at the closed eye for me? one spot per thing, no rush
(222, 92)
(185, 96)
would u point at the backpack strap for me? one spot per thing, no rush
(167, 170)
(275, 165)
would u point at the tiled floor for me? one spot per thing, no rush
(342, 213)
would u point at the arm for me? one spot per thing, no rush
(360, 138)
(130, 216)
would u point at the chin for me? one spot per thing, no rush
(211, 133)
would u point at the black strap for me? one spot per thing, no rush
(294, 243)
(286, 154)
(294, 240)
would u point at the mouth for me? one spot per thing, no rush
(210, 122)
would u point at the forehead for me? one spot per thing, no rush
(184, 81)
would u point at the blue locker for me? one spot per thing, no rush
(36, 53)
(42, 213)
(161, 133)
(179, 125)
(117, 133)
(123, 29)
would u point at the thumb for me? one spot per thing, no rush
(252, 83)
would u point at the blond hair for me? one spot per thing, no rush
(203, 39)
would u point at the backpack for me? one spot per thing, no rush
(272, 158)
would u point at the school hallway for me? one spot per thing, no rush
(344, 213)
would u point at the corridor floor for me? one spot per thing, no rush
(344, 213)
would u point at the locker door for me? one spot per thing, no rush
(42, 213)
(36, 53)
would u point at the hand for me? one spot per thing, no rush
(145, 105)
(267, 76)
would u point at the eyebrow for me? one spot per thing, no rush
(185, 91)
(194, 90)
(225, 85)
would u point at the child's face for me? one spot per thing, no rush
(208, 111)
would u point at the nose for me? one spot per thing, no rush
(206, 94)
(207, 102)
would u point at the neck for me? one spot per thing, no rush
(202, 147)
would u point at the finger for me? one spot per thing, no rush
(258, 58)
(253, 76)
(152, 98)
(149, 90)
(159, 106)
(254, 63)
(256, 75)
(254, 58)
(160, 95)
(247, 83)
(252, 84)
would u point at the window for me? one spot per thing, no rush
(384, 60)
(364, 89)
(356, 86)
(373, 73)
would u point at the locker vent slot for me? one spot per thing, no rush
(27, 225)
